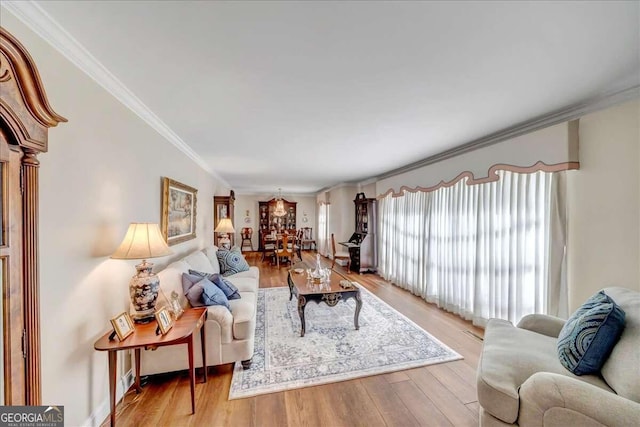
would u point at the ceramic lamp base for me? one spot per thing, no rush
(143, 290)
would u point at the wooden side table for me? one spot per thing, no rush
(145, 336)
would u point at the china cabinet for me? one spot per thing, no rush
(268, 222)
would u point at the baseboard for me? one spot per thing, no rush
(103, 410)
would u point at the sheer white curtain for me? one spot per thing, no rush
(323, 229)
(482, 251)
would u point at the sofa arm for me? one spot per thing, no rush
(548, 399)
(542, 324)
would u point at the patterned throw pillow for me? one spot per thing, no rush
(587, 339)
(231, 261)
(212, 295)
(229, 289)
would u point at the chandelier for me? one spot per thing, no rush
(279, 205)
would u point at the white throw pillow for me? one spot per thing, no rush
(211, 254)
(199, 261)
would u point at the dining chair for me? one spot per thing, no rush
(268, 246)
(307, 238)
(338, 255)
(246, 234)
(286, 251)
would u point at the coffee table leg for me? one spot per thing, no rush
(302, 302)
(358, 307)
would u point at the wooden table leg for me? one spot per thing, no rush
(302, 302)
(137, 361)
(204, 352)
(192, 375)
(113, 361)
(358, 307)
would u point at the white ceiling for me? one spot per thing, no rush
(307, 95)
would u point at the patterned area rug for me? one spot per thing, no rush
(331, 350)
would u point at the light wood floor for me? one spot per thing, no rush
(437, 395)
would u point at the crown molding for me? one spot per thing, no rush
(271, 195)
(566, 114)
(43, 24)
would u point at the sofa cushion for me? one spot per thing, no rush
(212, 294)
(588, 336)
(211, 254)
(231, 261)
(244, 284)
(253, 272)
(509, 357)
(192, 288)
(622, 369)
(229, 289)
(244, 315)
(199, 261)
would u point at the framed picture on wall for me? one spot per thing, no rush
(178, 218)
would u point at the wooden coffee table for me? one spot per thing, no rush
(331, 293)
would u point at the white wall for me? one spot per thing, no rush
(244, 203)
(342, 214)
(103, 171)
(604, 204)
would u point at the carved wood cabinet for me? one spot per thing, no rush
(269, 222)
(25, 119)
(364, 256)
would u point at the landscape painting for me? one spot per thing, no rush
(178, 220)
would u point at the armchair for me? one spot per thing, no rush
(520, 380)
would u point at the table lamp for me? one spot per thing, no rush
(142, 241)
(224, 227)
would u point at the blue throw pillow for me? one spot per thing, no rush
(192, 289)
(231, 262)
(229, 289)
(212, 295)
(587, 339)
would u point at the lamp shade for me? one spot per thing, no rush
(142, 241)
(225, 226)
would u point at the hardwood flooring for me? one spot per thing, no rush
(437, 395)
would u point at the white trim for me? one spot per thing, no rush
(566, 114)
(103, 410)
(43, 24)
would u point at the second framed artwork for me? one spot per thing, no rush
(178, 219)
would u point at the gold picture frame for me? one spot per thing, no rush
(122, 325)
(178, 219)
(165, 322)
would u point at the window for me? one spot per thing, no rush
(481, 250)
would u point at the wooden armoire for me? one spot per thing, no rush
(25, 117)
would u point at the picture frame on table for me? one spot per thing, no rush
(122, 326)
(165, 322)
(179, 209)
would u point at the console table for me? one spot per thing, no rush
(144, 336)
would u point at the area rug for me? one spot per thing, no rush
(332, 349)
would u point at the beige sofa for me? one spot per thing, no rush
(520, 380)
(229, 337)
